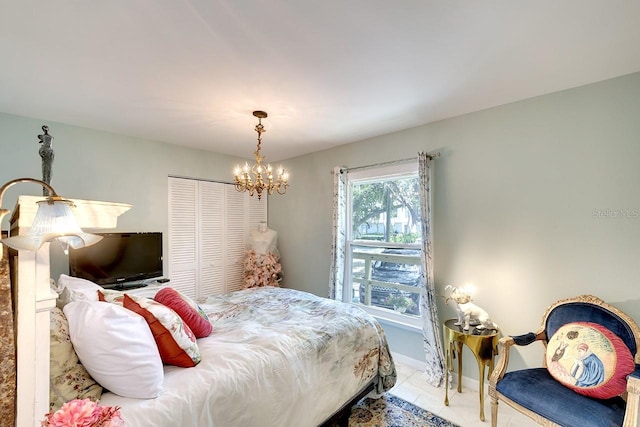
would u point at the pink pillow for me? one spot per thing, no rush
(188, 310)
(589, 359)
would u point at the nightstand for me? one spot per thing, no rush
(483, 343)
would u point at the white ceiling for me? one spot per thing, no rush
(328, 72)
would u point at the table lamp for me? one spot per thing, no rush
(54, 220)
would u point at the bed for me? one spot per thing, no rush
(276, 357)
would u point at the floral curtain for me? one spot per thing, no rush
(338, 234)
(430, 324)
(435, 369)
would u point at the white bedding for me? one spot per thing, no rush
(276, 357)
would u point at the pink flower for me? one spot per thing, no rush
(76, 413)
(84, 413)
(110, 417)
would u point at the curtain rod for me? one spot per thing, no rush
(391, 162)
(200, 179)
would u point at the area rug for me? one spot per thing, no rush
(391, 411)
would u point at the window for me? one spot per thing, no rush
(383, 267)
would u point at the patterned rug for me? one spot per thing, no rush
(391, 411)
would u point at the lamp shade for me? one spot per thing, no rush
(54, 220)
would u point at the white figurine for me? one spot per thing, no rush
(468, 312)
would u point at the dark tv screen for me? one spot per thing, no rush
(119, 258)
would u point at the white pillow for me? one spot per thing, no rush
(78, 289)
(116, 347)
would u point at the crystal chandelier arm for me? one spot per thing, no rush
(284, 188)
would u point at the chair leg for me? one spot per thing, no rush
(494, 412)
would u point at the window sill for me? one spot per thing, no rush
(410, 323)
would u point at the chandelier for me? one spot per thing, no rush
(259, 178)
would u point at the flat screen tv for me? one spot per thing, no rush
(119, 258)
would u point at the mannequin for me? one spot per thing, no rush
(263, 240)
(262, 260)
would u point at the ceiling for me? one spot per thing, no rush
(328, 72)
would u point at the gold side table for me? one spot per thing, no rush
(483, 343)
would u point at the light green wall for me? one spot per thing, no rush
(516, 192)
(97, 165)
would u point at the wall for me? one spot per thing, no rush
(524, 201)
(97, 165)
(521, 194)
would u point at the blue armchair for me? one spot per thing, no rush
(544, 398)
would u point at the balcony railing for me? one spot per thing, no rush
(364, 280)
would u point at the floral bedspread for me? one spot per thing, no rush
(276, 357)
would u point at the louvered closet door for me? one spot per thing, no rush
(212, 239)
(244, 213)
(209, 225)
(237, 231)
(183, 231)
(257, 213)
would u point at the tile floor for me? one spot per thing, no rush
(463, 409)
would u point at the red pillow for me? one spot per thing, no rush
(589, 359)
(188, 310)
(176, 342)
(172, 352)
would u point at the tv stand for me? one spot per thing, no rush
(125, 286)
(155, 283)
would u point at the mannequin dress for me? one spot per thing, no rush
(262, 260)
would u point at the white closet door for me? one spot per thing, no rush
(237, 215)
(209, 225)
(244, 213)
(257, 213)
(183, 232)
(212, 239)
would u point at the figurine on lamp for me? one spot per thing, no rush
(47, 154)
(469, 314)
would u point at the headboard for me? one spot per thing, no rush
(34, 299)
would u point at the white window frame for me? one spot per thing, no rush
(375, 174)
